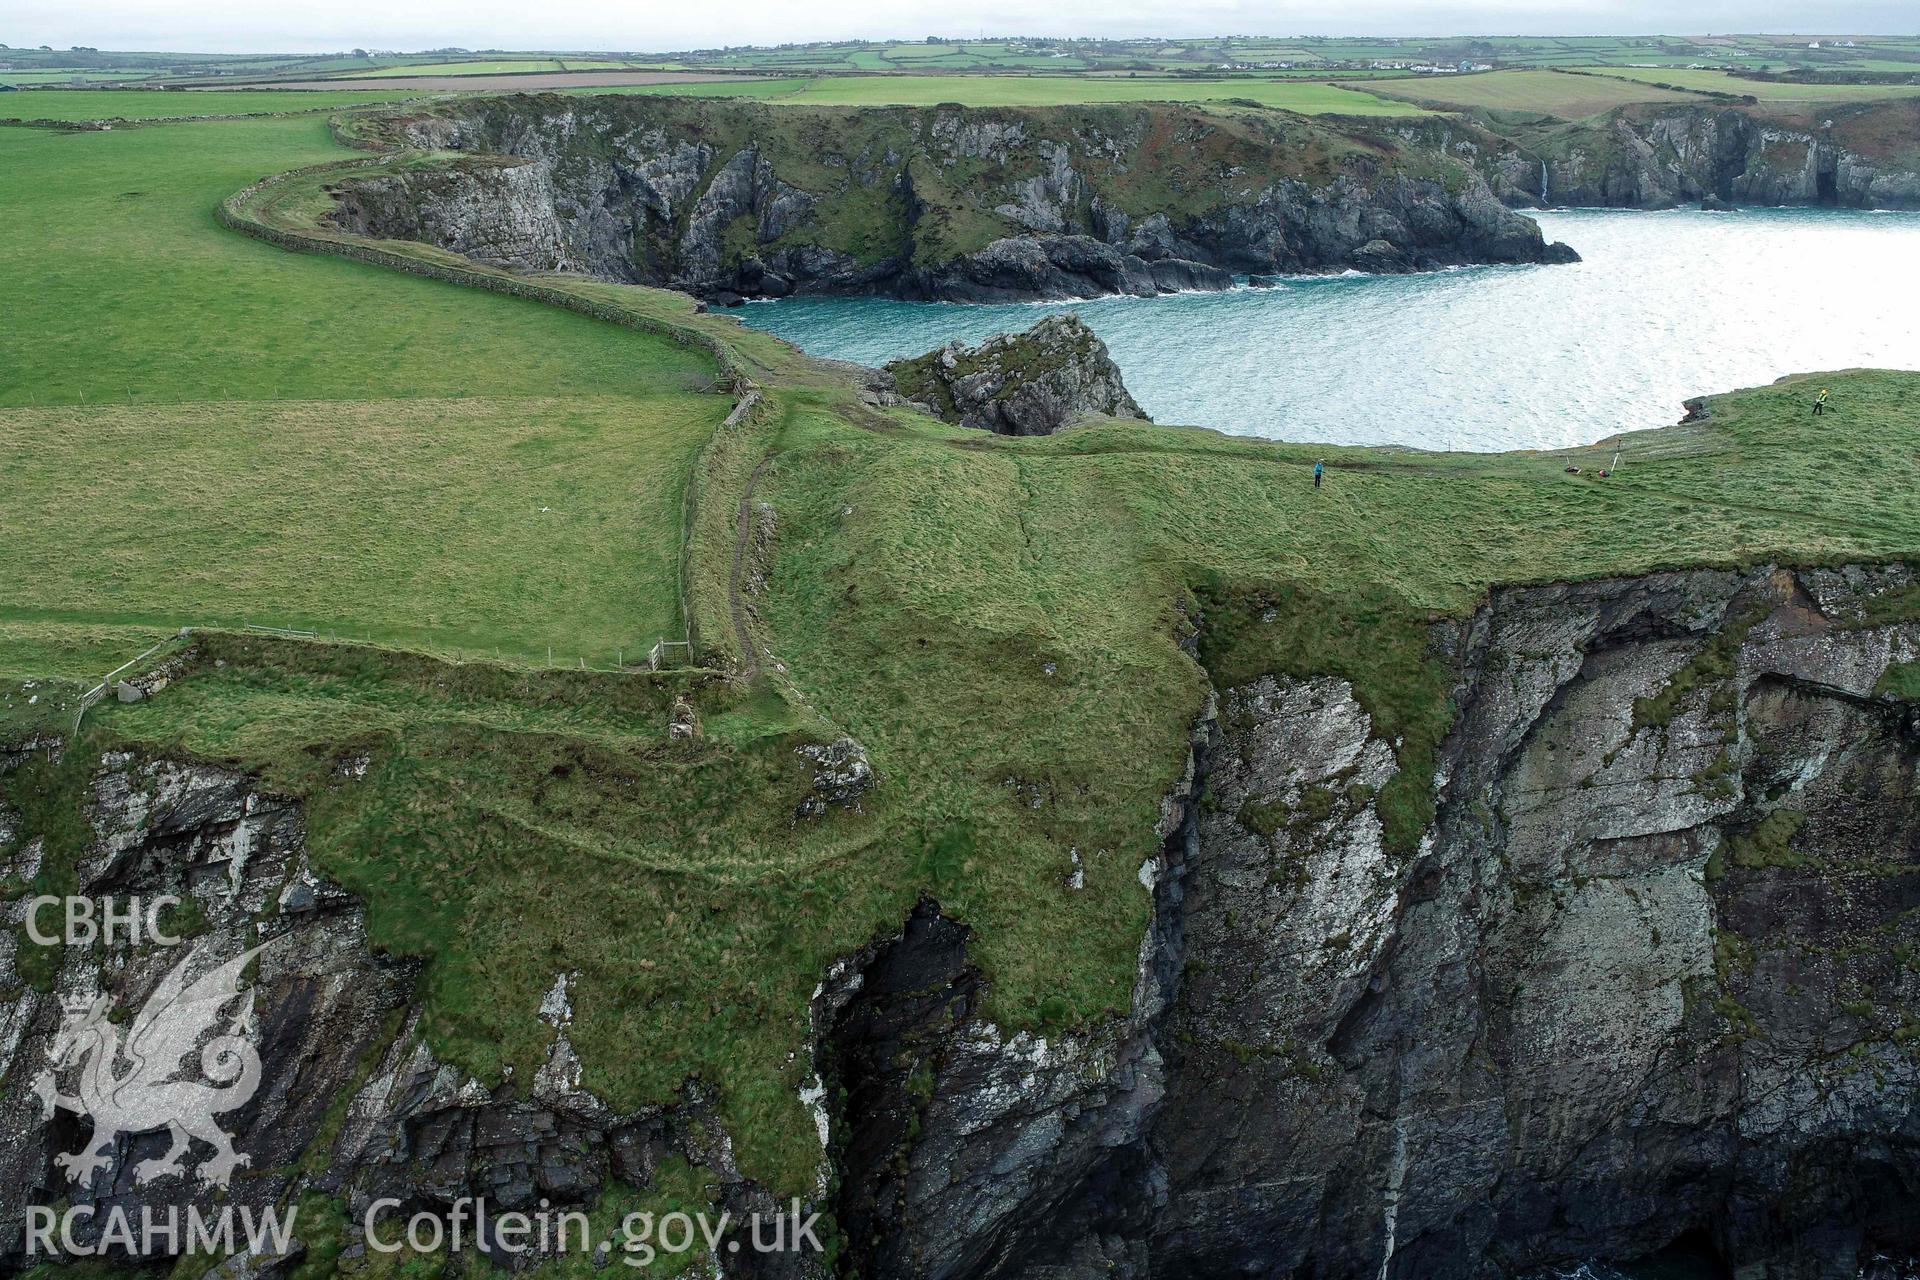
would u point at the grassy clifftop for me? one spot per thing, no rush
(1002, 624)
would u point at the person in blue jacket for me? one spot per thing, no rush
(1319, 469)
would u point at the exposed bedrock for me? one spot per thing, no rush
(1651, 975)
(1864, 156)
(735, 199)
(1019, 384)
(1653, 972)
(349, 1105)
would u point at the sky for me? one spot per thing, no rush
(221, 26)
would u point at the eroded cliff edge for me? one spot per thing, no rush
(1650, 976)
(727, 198)
(1652, 972)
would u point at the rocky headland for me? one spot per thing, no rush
(1647, 978)
(737, 199)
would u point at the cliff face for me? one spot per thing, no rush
(349, 1105)
(731, 198)
(1650, 976)
(1865, 156)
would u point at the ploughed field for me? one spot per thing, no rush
(1576, 95)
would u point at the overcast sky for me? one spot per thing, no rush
(657, 25)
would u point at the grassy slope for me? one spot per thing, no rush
(996, 620)
(923, 581)
(198, 428)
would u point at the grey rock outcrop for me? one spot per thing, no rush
(1647, 978)
(842, 775)
(351, 1104)
(1019, 384)
(1021, 268)
(1649, 975)
(735, 199)
(1858, 156)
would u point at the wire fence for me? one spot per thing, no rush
(92, 696)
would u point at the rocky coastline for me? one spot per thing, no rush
(1862, 156)
(733, 200)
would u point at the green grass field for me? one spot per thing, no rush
(530, 522)
(1570, 97)
(226, 432)
(162, 104)
(1767, 91)
(1308, 98)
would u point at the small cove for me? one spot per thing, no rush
(1665, 306)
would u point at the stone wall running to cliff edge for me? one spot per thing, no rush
(730, 199)
(1651, 976)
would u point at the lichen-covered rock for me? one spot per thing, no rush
(841, 777)
(1019, 384)
(1648, 976)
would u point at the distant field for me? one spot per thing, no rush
(1767, 90)
(494, 68)
(534, 82)
(162, 104)
(1306, 97)
(1569, 97)
(707, 87)
(199, 428)
(69, 77)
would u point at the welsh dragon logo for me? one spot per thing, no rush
(132, 1081)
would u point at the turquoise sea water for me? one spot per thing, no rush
(1665, 306)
